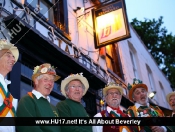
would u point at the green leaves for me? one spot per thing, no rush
(160, 44)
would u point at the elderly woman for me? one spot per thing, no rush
(74, 87)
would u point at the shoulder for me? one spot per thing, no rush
(26, 100)
(62, 103)
(131, 108)
(98, 115)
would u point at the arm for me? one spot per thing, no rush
(65, 111)
(26, 108)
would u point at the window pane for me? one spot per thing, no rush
(25, 88)
(109, 63)
(54, 100)
(44, 9)
(33, 2)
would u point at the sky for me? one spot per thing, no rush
(150, 9)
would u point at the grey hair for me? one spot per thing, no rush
(39, 77)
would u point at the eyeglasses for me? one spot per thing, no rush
(112, 93)
(73, 86)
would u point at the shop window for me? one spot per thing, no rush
(52, 10)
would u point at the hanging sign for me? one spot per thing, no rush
(110, 24)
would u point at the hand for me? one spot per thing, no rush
(157, 129)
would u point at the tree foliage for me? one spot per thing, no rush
(160, 44)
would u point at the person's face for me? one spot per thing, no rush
(172, 102)
(75, 90)
(113, 97)
(7, 60)
(140, 96)
(45, 84)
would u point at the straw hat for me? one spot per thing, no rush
(169, 95)
(136, 84)
(6, 45)
(45, 68)
(112, 85)
(74, 77)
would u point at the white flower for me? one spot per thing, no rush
(136, 82)
(44, 70)
(35, 69)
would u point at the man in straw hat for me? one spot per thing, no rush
(171, 101)
(37, 103)
(113, 94)
(138, 92)
(8, 57)
(74, 87)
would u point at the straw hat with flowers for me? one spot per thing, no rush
(45, 68)
(111, 85)
(4, 44)
(74, 77)
(169, 95)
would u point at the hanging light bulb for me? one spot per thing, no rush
(102, 102)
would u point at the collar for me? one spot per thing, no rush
(109, 109)
(5, 80)
(173, 114)
(138, 105)
(39, 95)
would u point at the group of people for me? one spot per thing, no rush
(37, 102)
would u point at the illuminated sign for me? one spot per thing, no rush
(110, 24)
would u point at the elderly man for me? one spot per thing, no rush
(37, 102)
(171, 100)
(74, 87)
(138, 92)
(113, 94)
(8, 56)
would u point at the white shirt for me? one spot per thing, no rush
(100, 128)
(5, 82)
(39, 95)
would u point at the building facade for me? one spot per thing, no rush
(58, 32)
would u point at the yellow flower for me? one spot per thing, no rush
(35, 69)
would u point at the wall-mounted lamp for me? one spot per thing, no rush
(79, 8)
(152, 94)
(102, 102)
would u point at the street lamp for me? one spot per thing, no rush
(152, 94)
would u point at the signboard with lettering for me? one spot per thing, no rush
(110, 24)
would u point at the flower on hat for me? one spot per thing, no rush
(135, 82)
(44, 70)
(74, 75)
(113, 84)
(35, 69)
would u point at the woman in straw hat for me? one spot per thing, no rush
(8, 57)
(74, 87)
(37, 103)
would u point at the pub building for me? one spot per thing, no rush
(59, 33)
